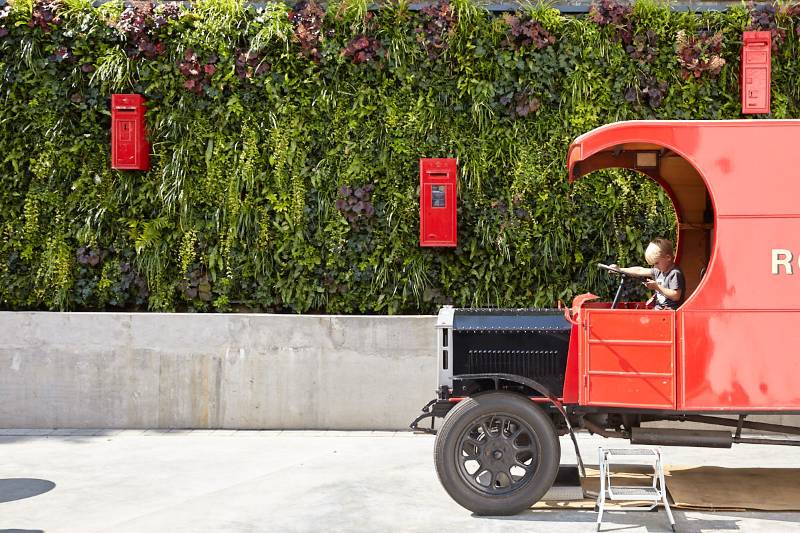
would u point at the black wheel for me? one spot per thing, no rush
(497, 453)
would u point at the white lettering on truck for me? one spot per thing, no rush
(781, 257)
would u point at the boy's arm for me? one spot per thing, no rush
(673, 286)
(672, 294)
(635, 271)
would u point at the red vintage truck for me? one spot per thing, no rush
(511, 380)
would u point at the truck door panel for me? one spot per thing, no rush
(628, 358)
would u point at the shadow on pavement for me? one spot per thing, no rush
(75, 438)
(12, 489)
(21, 531)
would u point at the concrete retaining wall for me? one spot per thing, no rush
(127, 370)
(130, 370)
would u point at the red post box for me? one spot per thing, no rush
(756, 75)
(129, 147)
(437, 202)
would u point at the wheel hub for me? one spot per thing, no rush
(499, 454)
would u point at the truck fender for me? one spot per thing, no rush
(538, 387)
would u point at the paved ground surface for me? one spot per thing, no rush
(284, 481)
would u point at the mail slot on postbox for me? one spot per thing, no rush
(437, 202)
(756, 75)
(129, 147)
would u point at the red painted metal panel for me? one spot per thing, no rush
(756, 75)
(129, 147)
(645, 392)
(629, 358)
(738, 331)
(639, 358)
(741, 360)
(680, 367)
(741, 329)
(571, 376)
(438, 194)
(756, 267)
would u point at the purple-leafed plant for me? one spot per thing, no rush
(45, 15)
(140, 24)
(363, 48)
(763, 18)
(196, 72)
(641, 47)
(355, 203)
(131, 279)
(249, 64)
(62, 53)
(521, 104)
(610, 12)
(4, 11)
(525, 32)
(793, 12)
(700, 53)
(197, 286)
(307, 17)
(438, 25)
(90, 257)
(649, 89)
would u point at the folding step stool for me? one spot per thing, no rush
(651, 493)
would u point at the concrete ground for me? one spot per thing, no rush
(284, 481)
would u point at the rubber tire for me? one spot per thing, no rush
(464, 414)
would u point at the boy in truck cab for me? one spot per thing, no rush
(664, 276)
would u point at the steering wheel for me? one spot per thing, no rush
(610, 269)
(616, 270)
(622, 277)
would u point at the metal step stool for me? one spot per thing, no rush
(650, 493)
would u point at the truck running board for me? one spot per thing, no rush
(681, 437)
(700, 438)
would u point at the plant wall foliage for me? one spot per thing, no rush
(286, 138)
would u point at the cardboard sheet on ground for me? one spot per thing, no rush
(632, 475)
(707, 488)
(717, 488)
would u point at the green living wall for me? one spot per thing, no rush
(286, 138)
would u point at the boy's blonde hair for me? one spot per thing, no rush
(658, 248)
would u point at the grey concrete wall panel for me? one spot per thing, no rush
(121, 370)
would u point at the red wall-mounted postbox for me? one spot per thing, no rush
(129, 147)
(437, 202)
(756, 75)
